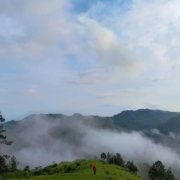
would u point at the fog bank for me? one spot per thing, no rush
(39, 141)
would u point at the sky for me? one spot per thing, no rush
(90, 57)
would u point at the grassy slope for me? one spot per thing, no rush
(84, 172)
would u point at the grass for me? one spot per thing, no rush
(81, 170)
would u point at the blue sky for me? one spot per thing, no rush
(91, 57)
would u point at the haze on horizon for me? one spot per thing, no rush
(92, 57)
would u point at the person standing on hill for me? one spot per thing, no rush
(94, 168)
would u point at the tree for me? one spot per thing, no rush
(13, 163)
(103, 155)
(26, 171)
(26, 168)
(118, 160)
(131, 167)
(3, 140)
(2, 165)
(2, 130)
(108, 157)
(115, 159)
(169, 175)
(157, 171)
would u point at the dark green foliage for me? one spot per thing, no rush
(27, 171)
(26, 168)
(131, 167)
(113, 159)
(19, 174)
(77, 163)
(157, 171)
(103, 155)
(169, 175)
(69, 168)
(118, 160)
(13, 164)
(3, 166)
(3, 140)
(51, 169)
(108, 157)
(1, 118)
(2, 130)
(37, 171)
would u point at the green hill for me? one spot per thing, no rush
(81, 170)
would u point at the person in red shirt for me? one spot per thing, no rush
(94, 168)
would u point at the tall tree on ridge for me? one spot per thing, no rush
(3, 140)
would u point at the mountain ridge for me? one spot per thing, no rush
(141, 119)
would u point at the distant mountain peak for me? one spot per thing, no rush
(77, 115)
(142, 118)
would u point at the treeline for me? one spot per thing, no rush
(117, 159)
(156, 172)
(7, 164)
(8, 168)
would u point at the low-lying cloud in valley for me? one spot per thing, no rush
(41, 140)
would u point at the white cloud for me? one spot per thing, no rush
(72, 138)
(106, 46)
(128, 47)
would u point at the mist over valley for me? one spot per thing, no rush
(143, 136)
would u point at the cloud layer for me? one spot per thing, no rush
(68, 138)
